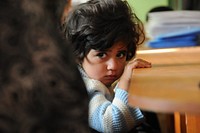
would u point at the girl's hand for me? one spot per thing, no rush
(125, 79)
(140, 63)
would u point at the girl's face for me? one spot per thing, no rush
(106, 66)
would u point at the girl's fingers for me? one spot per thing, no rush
(139, 63)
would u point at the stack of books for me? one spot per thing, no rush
(173, 29)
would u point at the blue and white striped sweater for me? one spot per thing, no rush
(110, 114)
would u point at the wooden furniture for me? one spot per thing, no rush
(172, 85)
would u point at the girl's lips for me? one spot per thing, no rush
(111, 77)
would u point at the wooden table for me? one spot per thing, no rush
(172, 85)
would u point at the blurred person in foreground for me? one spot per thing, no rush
(41, 90)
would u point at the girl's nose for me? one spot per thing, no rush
(112, 64)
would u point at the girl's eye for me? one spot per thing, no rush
(101, 55)
(121, 54)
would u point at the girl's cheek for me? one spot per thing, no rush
(121, 67)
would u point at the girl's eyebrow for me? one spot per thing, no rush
(123, 50)
(123, 47)
(119, 49)
(101, 50)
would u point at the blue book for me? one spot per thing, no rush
(169, 44)
(180, 33)
(182, 38)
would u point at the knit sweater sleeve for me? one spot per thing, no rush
(110, 116)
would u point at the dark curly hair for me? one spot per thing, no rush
(98, 24)
(41, 90)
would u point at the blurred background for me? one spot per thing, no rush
(169, 23)
(142, 7)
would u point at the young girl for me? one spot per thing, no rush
(104, 35)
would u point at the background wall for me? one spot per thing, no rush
(141, 7)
